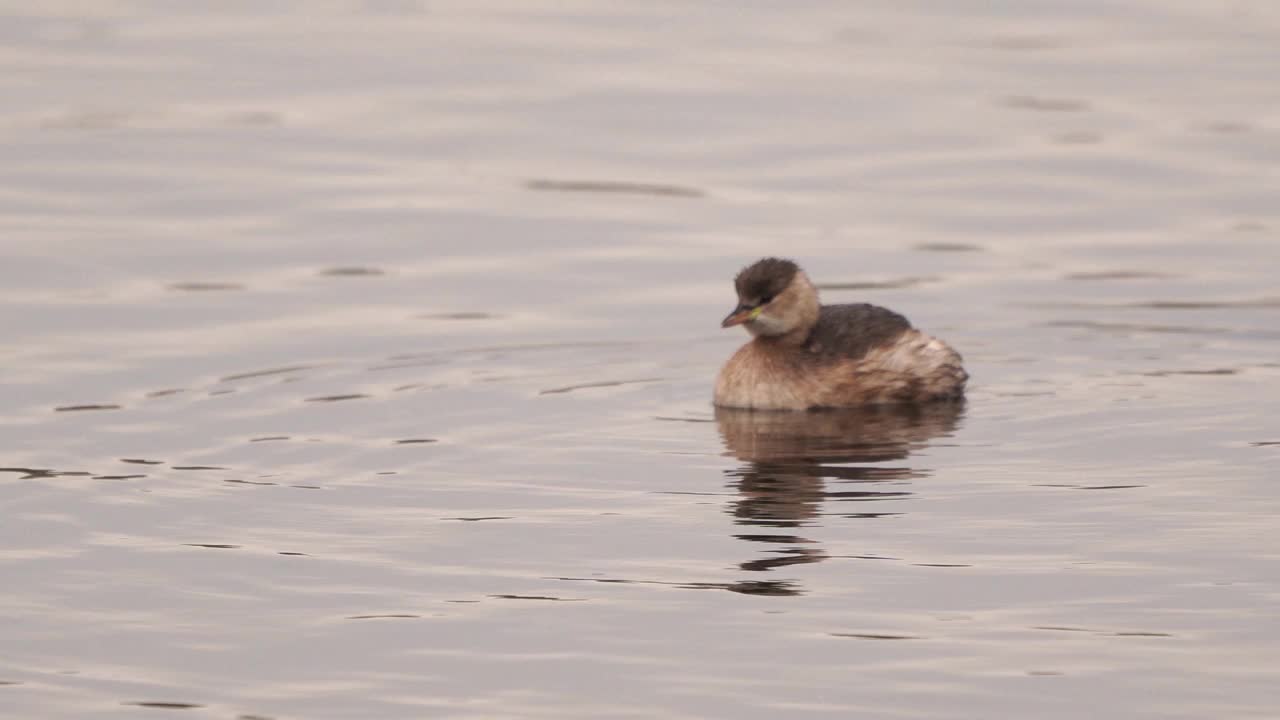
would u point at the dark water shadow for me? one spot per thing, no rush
(90, 406)
(614, 186)
(900, 283)
(1265, 302)
(799, 467)
(1044, 104)
(1118, 275)
(352, 271)
(200, 286)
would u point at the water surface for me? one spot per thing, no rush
(359, 355)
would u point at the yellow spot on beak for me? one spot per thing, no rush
(756, 313)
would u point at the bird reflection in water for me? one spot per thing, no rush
(795, 461)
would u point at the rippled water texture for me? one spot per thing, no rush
(358, 356)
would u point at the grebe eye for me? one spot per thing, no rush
(766, 299)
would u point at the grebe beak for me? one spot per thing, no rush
(740, 314)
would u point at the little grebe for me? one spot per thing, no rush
(805, 355)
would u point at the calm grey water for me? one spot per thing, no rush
(358, 356)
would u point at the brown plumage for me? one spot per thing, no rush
(806, 355)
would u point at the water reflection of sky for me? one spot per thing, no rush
(357, 360)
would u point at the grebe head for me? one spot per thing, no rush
(775, 298)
